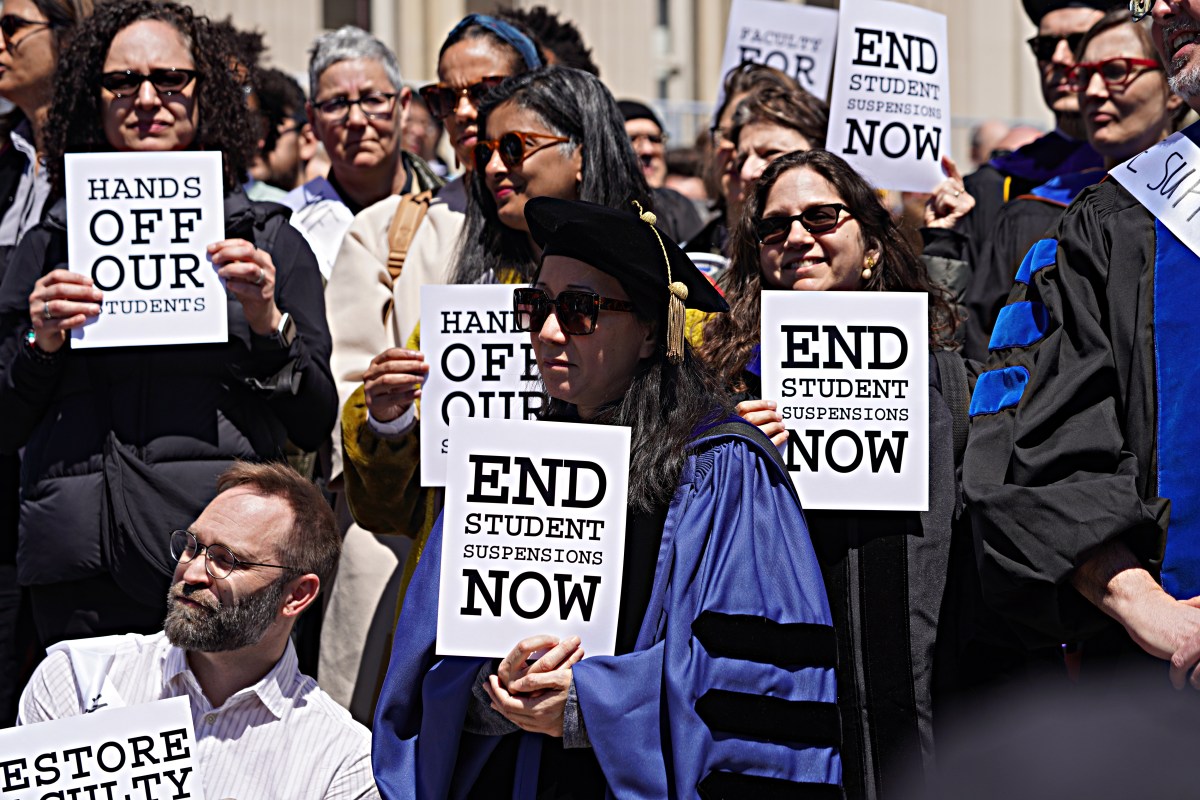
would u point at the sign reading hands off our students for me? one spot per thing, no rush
(139, 225)
(794, 39)
(533, 535)
(143, 752)
(1166, 180)
(850, 374)
(889, 115)
(479, 366)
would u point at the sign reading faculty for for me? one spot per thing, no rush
(533, 535)
(850, 374)
(142, 752)
(138, 226)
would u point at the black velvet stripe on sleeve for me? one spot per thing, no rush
(729, 785)
(802, 722)
(751, 638)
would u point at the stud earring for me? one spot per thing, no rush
(866, 273)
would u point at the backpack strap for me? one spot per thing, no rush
(957, 395)
(406, 220)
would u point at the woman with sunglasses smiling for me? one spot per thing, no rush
(1127, 106)
(153, 424)
(812, 223)
(721, 602)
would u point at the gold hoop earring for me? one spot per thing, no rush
(867, 270)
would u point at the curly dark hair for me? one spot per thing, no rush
(729, 339)
(75, 124)
(552, 33)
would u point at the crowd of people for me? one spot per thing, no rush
(223, 521)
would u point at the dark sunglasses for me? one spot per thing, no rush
(514, 147)
(442, 99)
(576, 311)
(1117, 73)
(166, 81)
(11, 23)
(1043, 47)
(814, 219)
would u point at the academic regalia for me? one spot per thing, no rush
(731, 672)
(1019, 224)
(1068, 447)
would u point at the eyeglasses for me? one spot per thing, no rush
(164, 81)
(1043, 47)
(374, 106)
(652, 138)
(576, 311)
(720, 137)
(514, 147)
(442, 99)
(1117, 73)
(220, 562)
(11, 23)
(814, 219)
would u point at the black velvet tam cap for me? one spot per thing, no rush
(624, 245)
(1036, 9)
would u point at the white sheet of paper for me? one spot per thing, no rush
(139, 225)
(478, 366)
(889, 112)
(1166, 180)
(533, 535)
(797, 40)
(132, 751)
(850, 374)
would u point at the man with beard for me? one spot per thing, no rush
(1079, 470)
(251, 563)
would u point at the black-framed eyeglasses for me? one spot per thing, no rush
(165, 81)
(375, 105)
(1043, 46)
(514, 147)
(576, 310)
(441, 99)
(219, 562)
(11, 23)
(1117, 73)
(816, 219)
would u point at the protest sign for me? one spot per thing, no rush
(479, 366)
(533, 535)
(850, 372)
(796, 40)
(138, 225)
(889, 115)
(144, 751)
(1166, 180)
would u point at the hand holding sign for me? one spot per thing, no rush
(249, 273)
(950, 201)
(536, 699)
(763, 415)
(393, 382)
(60, 301)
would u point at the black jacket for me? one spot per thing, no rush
(184, 412)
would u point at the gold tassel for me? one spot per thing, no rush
(676, 316)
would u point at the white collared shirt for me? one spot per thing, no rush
(281, 738)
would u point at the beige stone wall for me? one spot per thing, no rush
(993, 74)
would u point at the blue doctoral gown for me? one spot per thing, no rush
(730, 689)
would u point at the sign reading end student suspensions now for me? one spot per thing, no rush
(139, 227)
(850, 374)
(889, 115)
(533, 535)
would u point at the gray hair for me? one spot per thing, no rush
(346, 44)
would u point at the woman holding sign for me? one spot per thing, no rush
(122, 445)
(722, 681)
(813, 224)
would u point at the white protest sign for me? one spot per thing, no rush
(533, 535)
(144, 751)
(850, 374)
(889, 115)
(479, 366)
(138, 225)
(1166, 180)
(796, 40)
